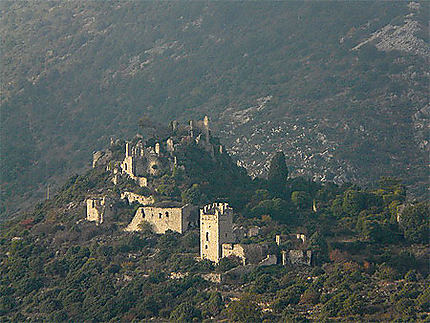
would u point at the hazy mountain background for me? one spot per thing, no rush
(341, 87)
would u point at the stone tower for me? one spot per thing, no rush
(206, 129)
(216, 228)
(133, 161)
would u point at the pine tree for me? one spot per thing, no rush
(278, 173)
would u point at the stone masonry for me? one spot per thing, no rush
(99, 209)
(216, 228)
(177, 219)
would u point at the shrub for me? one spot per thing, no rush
(244, 311)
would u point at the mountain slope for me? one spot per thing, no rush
(76, 73)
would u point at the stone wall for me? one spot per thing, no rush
(133, 197)
(249, 253)
(99, 209)
(269, 260)
(162, 218)
(297, 257)
(235, 250)
(216, 228)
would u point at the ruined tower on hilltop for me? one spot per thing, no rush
(133, 163)
(216, 228)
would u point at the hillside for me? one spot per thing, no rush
(341, 87)
(368, 249)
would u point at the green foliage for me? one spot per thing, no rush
(423, 300)
(278, 174)
(214, 304)
(288, 296)
(386, 272)
(311, 296)
(277, 208)
(228, 263)
(264, 284)
(354, 304)
(167, 187)
(193, 195)
(415, 222)
(353, 202)
(301, 199)
(244, 311)
(185, 312)
(334, 305)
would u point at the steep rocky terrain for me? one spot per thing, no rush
(341, 87)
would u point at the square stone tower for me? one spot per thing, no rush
(216, 228)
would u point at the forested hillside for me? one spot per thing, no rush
(368, 250)
(341, 87)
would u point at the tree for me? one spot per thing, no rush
(278, 174)
(185, 312)
(193, 195)
(277, 208)
(353, 304)
(415, 222)
(245, 310)
(301, 199)
(214, 304)
(423, 300)
(353, 202)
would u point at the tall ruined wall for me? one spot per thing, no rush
(162, 219)
(99, 209)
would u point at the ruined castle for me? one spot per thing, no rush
(142, 164)
(140, 161)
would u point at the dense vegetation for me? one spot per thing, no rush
(370, 253)
(75, 73)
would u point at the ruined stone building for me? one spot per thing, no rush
(296, 257)
(133, 197)
(140, 161)
(248, 253)
(216, 228)
(134, 163)
(99, 209)
(294, 249)
(241, 232)
(162, 219)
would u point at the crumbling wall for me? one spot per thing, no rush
(249, 253)
(133, 197)
(297, 257)
(235, 250)
(162, 218)
(269, 260)
(99, 209)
